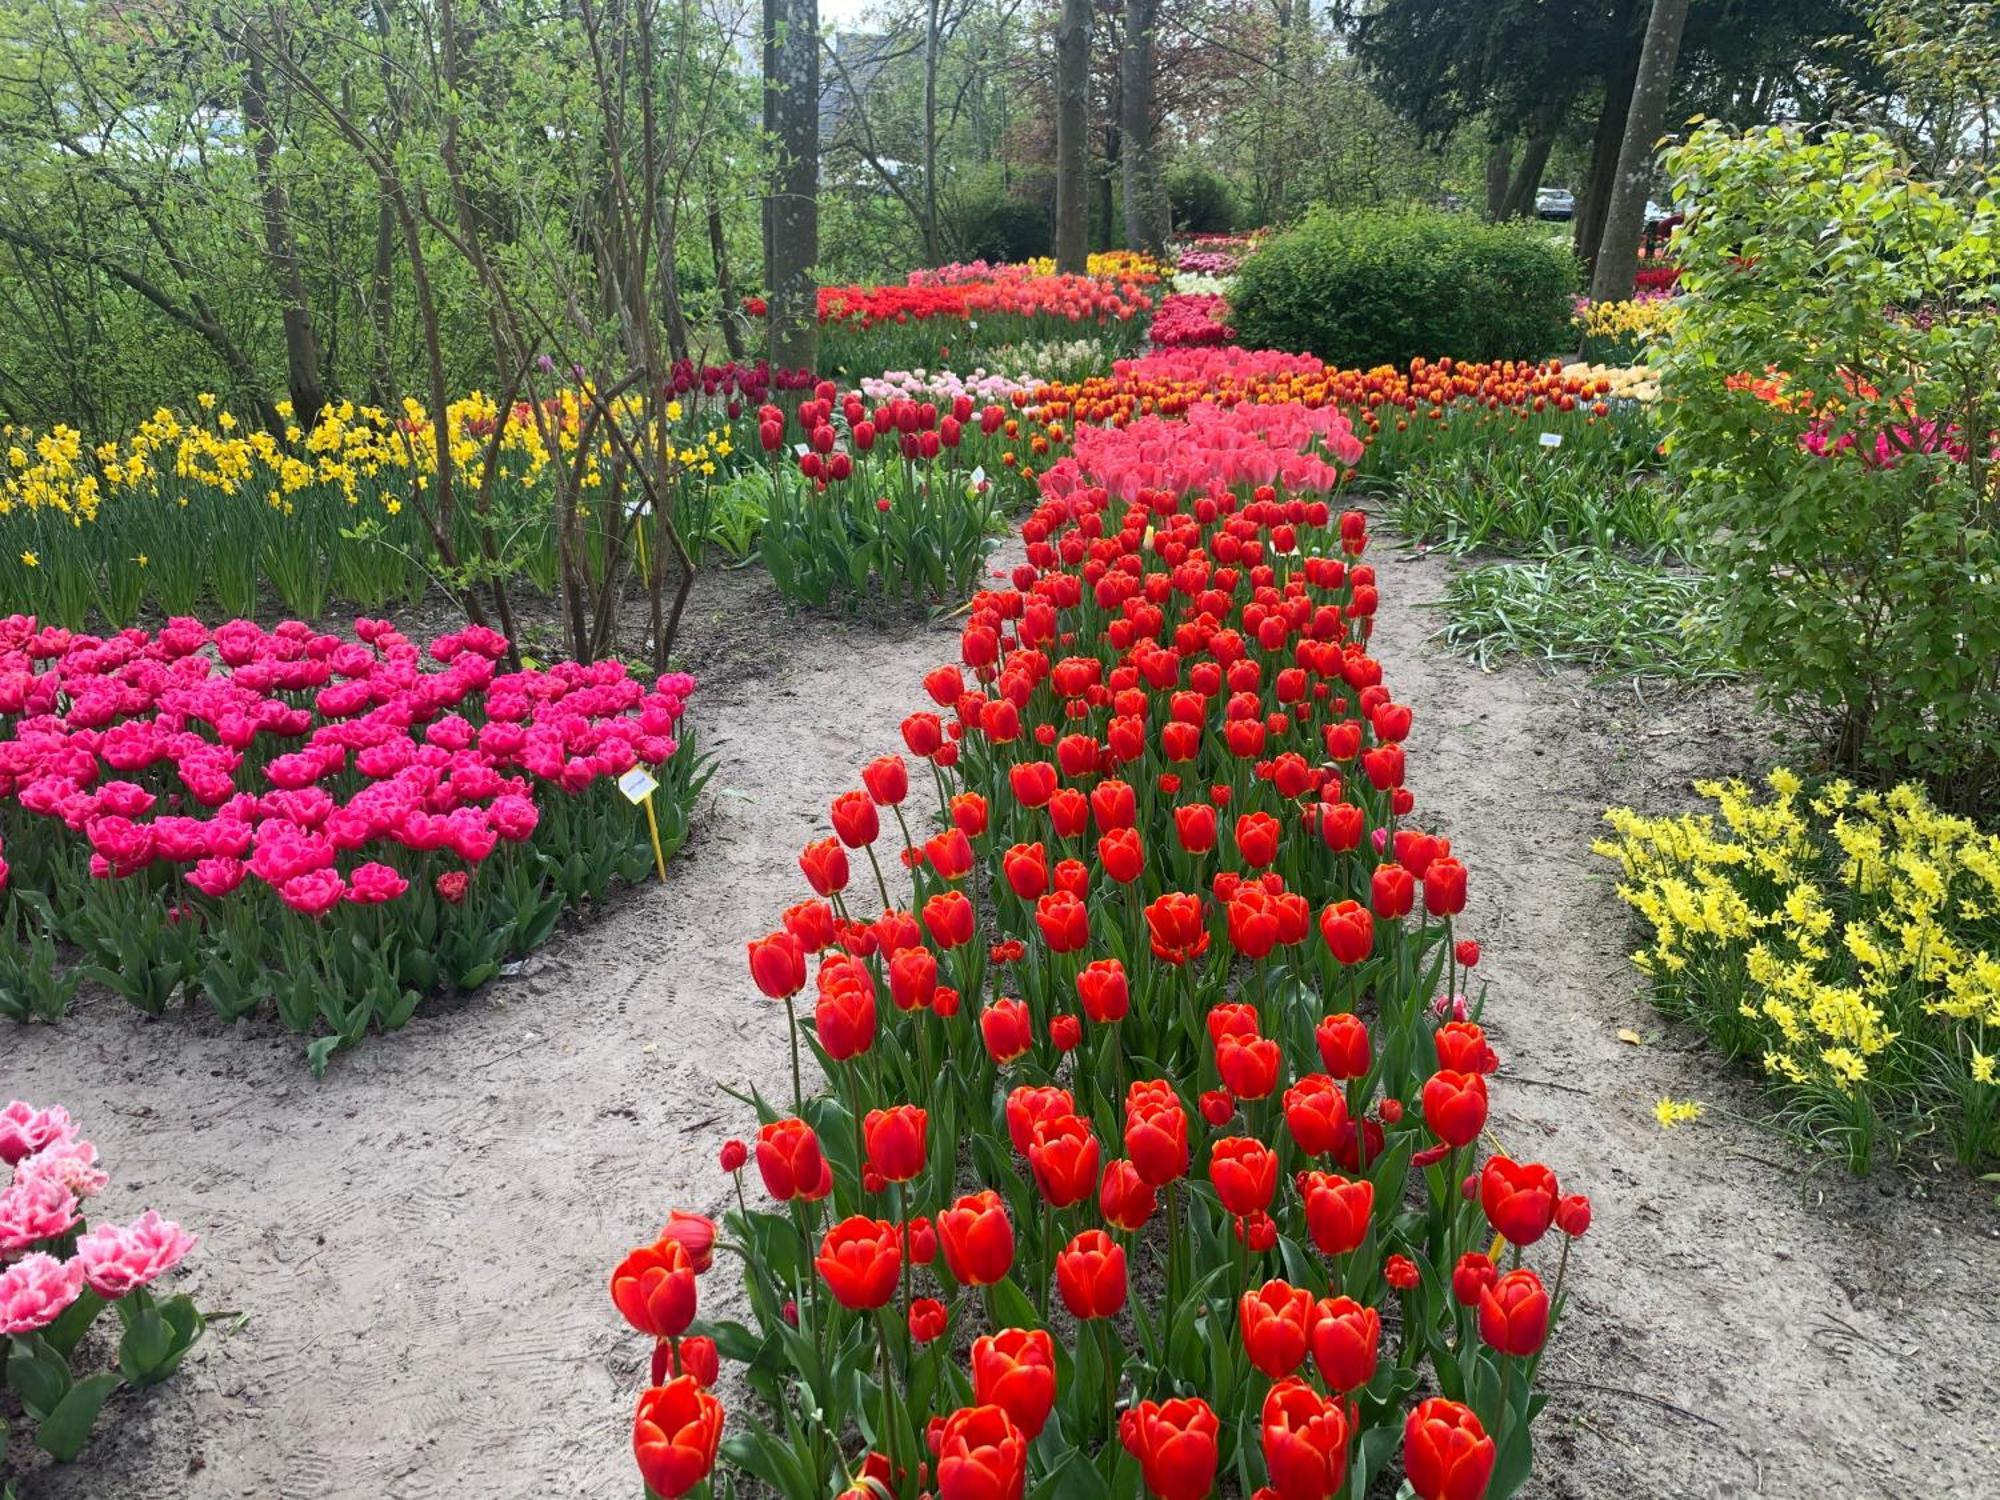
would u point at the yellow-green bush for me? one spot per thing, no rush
(1846, 941)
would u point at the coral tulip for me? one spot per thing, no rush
(1446, 1452)
(860, 1259)
(675, 1435)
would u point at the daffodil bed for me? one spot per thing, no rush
(1845, 941)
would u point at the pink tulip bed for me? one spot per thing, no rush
(325, 827)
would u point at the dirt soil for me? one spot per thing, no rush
(408, 1260)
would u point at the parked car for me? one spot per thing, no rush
(1555, 203)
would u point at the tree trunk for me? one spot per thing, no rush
(1104, 196)
(302, 364)
(1139, 165)
(791, 91)
(1618, 252)
(1520, 200)
(1073, 137)
(1499, 172)
(725, 286)
(1596, 196)
(931, 250)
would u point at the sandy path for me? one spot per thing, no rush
(419, 1244)
(1824, 1336)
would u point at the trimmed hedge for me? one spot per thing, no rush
(1364, 289)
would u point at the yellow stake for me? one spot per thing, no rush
(653, 827)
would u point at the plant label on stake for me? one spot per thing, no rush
(1552, 440)
(638, 786)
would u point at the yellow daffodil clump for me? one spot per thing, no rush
(1845, 940)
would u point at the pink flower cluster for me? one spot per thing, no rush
(285, 754)
(53, 1170)
(1212, 448)
(1888, 447)
(1208, 263)
(1192, 320)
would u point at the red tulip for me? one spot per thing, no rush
(825, 867)
(654, 1288)
(887, 779)
(675, 1435)
(1348, 930)
(1090, 1275)
(812, 923)
(1253, 922)
(697, 1357)
(1064, 1158)
(778, 965)
(913, 975)
(1316, 1113)
(1065, 1033)
(1343, 1046)
(923, 736)
(1276, 1320)
(1125, 1198)
(790, 1161)
(734, 1155)
(1175, 1443)
(1257, 836)
(894, 1141)
(949, 853)
(928, 1319)
(1446, 1452)
(1249, 1065)
(1341, 825)
(981, 1455)
(968, 811)
(1194, 823)
(695, 1234)
(1029, 1106)
(1401, 1273)
(1032, 782)
(1514, 1313)
(949, 919)
(1462, 1047)
(1064, 921)
(1007, 1030)
(1102, 989)
(1244, 1172)
(860, 1259)
(1156, 1133)
(977, 1239)
(1573, 1215)
(1455, 1106)
(1305, 1442)
(1069, 813)
(1391, 892)
(1473, 1274)
(844, 1015)
(1444, 888)
(1338, 1211)
(1519, 1199)
(1346, 1339)
(1122, 855)
(1026, 868)
(1177, 928)
(1113, 806)
(1015, 1370)
(855, 821)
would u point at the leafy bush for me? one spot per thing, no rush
(1201, 199)
(1384, 288)
(992, 222)
(1834, 392)
(1847, 942)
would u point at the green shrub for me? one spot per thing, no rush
(1201, 199)
(1833, 391)
(993, 222)
(1384, 288)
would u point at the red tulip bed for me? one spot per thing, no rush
(313, 822)
(867, 329)
(1152, 1149)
